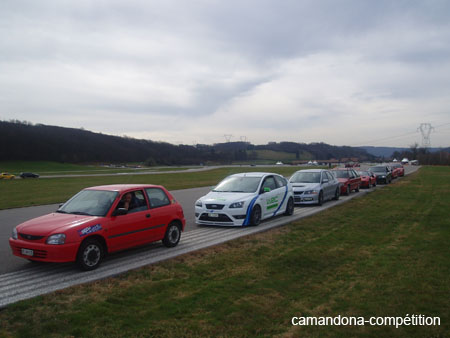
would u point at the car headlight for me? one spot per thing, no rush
(56, 239)
(311, 192)
(14, 234)
(384, 176)
(199, 204)
(236, 205)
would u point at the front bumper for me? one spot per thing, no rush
(381, 180)
(301, 198)
(44, 252)
(220, 217)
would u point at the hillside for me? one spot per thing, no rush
(23, 141)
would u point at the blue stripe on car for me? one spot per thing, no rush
(284, 197)
(249, 211)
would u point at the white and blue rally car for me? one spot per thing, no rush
(245, 199)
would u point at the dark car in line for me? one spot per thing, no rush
(383, 173)
(29, 175)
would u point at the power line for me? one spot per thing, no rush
(393, 137)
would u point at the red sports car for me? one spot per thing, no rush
(348, 178)
(398, 170)
(100, 220)
(368, 179)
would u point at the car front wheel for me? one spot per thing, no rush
(172, 236)
(255, 217)
(90, 254)
(320, 198)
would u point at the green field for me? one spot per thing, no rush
(384, 254)
(28, 192)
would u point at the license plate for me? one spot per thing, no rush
(307, 199)
(27, 252)
(213, 215)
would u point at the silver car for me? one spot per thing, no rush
(314, 186)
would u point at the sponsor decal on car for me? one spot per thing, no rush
(89, 230)
(272, 202)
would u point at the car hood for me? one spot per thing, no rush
(226, 197)
(53, 223)
(305, 186)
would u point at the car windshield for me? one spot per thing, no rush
(342, 173)
(305, 177)
(378, 169)
(89, 202)
(238, 184)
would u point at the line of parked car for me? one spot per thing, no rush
(104, 219)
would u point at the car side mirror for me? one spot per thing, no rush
(120, 212)
(266, 189)
(325, 180)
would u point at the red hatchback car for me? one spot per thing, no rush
(100, 220)
(348, 178)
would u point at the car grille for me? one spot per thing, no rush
(36, 253)
(221, 218)
(30, 237)
(214, 206)
(298, 192)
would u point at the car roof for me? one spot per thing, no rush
(254, 174)
(122, 187)
(311, 170)
(347, 169)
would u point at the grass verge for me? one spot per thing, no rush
(28, 192)
(385, 254)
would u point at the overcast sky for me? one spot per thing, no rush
(183, 71)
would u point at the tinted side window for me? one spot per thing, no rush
(329, 176)
(281, 182)
(157, 197)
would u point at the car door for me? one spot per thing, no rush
(283, 189)
(327, 184)
(161, 210)
(270, 196)
(133, 228)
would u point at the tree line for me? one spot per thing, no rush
(21, 140)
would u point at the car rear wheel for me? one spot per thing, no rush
(90, 254)
(347, 192)
(357, 188)
(172, 236)
(255, 217)
(337, 194)
(289, 207)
